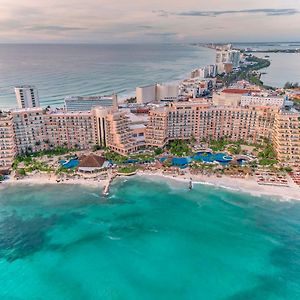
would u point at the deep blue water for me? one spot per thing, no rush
(61, 70)
(147, 240)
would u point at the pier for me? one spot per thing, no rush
(107, 186)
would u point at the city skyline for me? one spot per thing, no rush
(106, 21)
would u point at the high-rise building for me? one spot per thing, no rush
(87, 103)
(27, 96)
(286, 137)
(234, 58)
(228, 56)
(7, 142)
(183, 120)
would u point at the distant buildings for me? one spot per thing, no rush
(27, 96)
(227, 59)
(262, 100)
(242, 112)
(86, 103)
(209, 71)
(157, 93)
(230, 96)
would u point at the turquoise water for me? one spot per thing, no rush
(148, 240)
(206, 157)
(72, 163)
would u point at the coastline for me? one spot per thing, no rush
(51, 180)
(239, 185)
(235, 185)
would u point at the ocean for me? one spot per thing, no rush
(147, 240)
(63, 70)
(284, 66)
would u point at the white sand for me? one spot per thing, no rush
(235, 184)
(249, 186)
(41, 179)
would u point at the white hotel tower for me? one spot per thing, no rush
(27, 96)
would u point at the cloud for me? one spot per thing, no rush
(53, 28)
(145, 26)
(215, 13)
(162, 34)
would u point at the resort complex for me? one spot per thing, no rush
(192, 116)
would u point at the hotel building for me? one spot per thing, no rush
(260, 100)
(34, 129)
(77, 103)
(7, 142)
(27, 96)
(119, 136)
(205, 122)
(157, 93)
(286, 138)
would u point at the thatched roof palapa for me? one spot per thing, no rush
(91, 161)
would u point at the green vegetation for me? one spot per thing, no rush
(246, 72)
(21, 172)
(158, 151)
(62, 170)
(115, 157)
(234, 149)
(180, 148)
(131, 100)
(127, 169)
(143, 157)
(267, 152)
(167, 163)
(49, 153)
(1, 178)
(96, 148)
(291, 85)
(286, 169)
(267, 155)
(267, 162)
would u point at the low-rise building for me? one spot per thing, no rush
(262, 100)
(157, 93)
(87, 103)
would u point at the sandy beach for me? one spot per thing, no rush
(41, 179)
(249, 186)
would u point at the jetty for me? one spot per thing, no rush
(107, 186)
(191, 184)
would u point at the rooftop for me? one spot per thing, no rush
(91, 161)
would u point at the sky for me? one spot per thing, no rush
(148, 21)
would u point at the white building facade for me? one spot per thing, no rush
(27, 96)
(78, 103)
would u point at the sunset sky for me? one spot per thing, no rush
(145, 21)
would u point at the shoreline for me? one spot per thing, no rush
(46, 180)
(235, 185)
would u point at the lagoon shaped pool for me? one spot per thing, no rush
(207, 157)
(72, 163)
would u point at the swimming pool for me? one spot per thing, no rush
(72, 163)
(206, 157)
